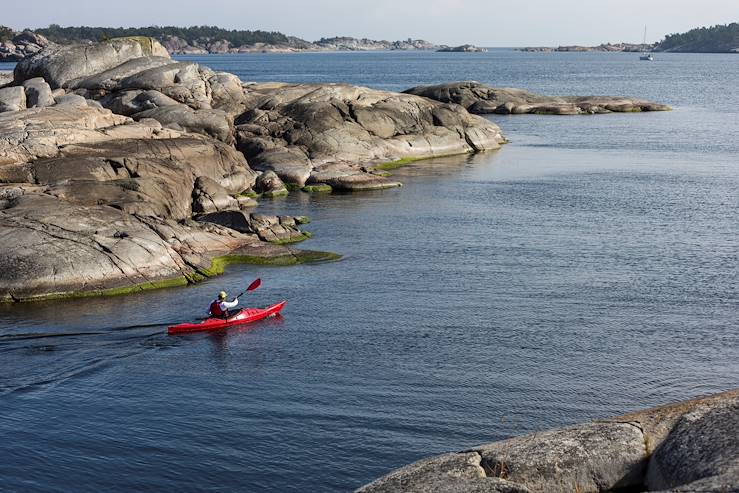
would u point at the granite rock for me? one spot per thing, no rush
(481, 99)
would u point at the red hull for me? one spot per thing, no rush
(245, 316)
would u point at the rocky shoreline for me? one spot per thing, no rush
(179, 46)
(690, 446)
(122, 169)
(21, 45)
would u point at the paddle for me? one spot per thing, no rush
(254, 285)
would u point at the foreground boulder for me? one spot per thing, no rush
(298, 130)
(481, 99)
(38, 93)
(690, 446)
(699, 448)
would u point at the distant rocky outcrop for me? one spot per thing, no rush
(605, 47)
(481, 99)
(687, 447)
(344, 43)
(291, 44)
(203, 46)
(462, 49)
(196, 40)
(333, 133)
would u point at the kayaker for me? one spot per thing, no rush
(219, 307)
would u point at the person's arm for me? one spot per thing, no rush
(225, 305)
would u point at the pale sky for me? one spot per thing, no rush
(481, 22)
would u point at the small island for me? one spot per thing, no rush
(462, 49)
(604, 48)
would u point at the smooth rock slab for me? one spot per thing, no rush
(481, 99)
(182, 81)
(129, 103)
(449, 473)
(12, 99)
(41, 132)
(294, 129)
(214, 123)
(110, 79)
(290, 164)
(726, 483)
(695, 443)
(588, 458)
(359, 181)
(59, 65)
(55, 248)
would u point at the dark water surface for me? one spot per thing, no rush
(586, 269)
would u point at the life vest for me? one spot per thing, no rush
(215, 309)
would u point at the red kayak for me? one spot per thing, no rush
(245, 316)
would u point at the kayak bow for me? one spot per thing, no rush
(244, 316)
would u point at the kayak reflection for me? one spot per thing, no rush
(220, 338)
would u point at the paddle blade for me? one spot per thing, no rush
(254, 285)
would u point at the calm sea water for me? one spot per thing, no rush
(587, 269)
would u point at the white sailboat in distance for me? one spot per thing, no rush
(644, 55)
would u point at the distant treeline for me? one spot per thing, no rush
(60, 34)
(716, 39)
(6, 33)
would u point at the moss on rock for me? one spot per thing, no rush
(317, 188)
(217, 267)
